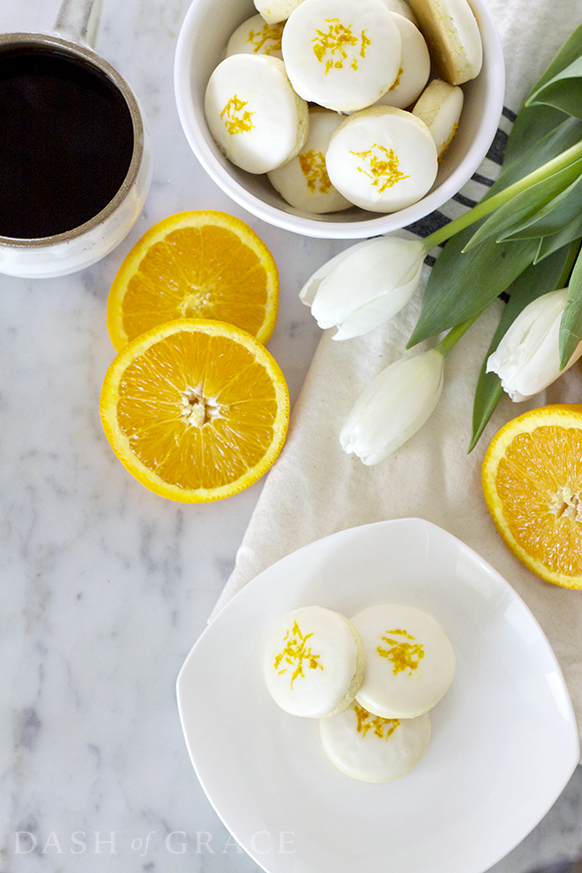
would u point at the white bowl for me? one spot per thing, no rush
(201, 46)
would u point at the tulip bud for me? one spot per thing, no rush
(394, 406)
(527, 359)
(365, 285)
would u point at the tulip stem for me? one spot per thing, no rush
(454, 335)
(487, 205)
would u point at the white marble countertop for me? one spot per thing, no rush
(105, 586)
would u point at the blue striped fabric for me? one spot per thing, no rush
(475, 188)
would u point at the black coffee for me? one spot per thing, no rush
(66, 141)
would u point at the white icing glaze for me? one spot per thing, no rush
(440, 107)
(371, 748)
(253, 113)
(401, 8)
(342, 54)
(468, 34)
(410, 661)
(273, 11)
(255, 36)
(414, 67)
(310, 662)
(382, 159)
(303, 182)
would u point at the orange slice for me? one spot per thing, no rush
(195, 265)
(532, 482)
(196, 410)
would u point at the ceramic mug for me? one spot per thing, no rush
(75, 164)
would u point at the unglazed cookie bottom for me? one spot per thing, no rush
(440, 106)
(453, 37)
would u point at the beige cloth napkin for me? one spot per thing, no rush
(315, 489)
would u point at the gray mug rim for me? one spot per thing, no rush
(84, 53)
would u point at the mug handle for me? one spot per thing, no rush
(78, 21)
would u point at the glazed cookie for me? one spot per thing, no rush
(342, 54)
(440, 107)
(255, 36)
(414, 67)
(372, 748)
(401, 8)
(314, 662)
(253, 113)
(273, 11)
(382, 159)
(453, 37)
(303, 182)
(410, 661)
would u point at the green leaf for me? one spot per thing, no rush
(570, 51)
(532, 124)
(461, 286)
(571, 323)
(563, 91)
(536, 120)
(532, 283)
(540, 151)
(524, 208)
(568, 55)
(552, 218)
(568, 234)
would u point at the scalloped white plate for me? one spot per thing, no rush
(504, 739)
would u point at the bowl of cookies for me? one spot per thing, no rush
(339, 118)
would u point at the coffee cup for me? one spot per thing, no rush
(75, 162)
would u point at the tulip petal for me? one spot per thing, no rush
(375, 270)
(393, 407)
(379, 310)
(309, 290)
(527, 359)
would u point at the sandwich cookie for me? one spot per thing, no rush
(382, 159)
(314, 662)
(303, 181)
(414, 67)
(440, 106)
(255, 36)
(273, 11)
(342, 54)
(374, 749)
(410, 661)
(253, 113)
(453, 38)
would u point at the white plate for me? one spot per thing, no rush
(504, 740)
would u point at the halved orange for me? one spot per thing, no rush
(196, 410)
(532, 482)
(201, 264)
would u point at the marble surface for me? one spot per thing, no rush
(105, 587)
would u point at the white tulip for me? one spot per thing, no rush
(365, 285)
(394, 406)
(527, 359)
